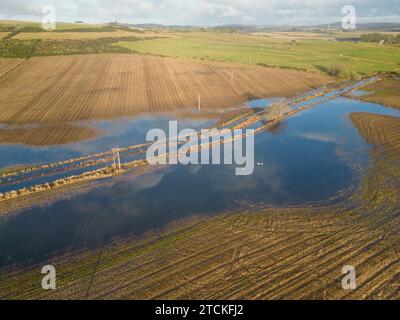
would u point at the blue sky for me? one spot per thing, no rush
(204, 12)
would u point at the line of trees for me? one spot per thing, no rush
(378, 37)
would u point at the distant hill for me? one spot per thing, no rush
(376, 26)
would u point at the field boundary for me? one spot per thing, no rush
(12, 68)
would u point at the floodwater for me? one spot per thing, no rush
(308, 158)
(113, 133)
(118, 133)
(360, 93)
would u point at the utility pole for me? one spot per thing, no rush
(116, 159)
(119, 160)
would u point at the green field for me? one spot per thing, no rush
(318, 52)
(314, 55)
(19, 39)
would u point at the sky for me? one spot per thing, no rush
(203, 12)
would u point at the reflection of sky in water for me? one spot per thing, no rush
(262, 103)
(122, 132)
(360, 93)
(300, 163)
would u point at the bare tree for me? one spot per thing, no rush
(277, 110)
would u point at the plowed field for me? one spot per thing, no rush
(7, 64)
(72, 88)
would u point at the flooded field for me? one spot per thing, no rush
(315, 156)
(163, 155)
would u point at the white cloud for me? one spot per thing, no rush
(203, 12)
(319, 136)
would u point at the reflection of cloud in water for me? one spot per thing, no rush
(319, 136)
(194, 169)
(120, 200)
(125, 132)
(266, 176)
(149, 180)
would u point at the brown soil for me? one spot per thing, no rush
(73, 88)
(379, 129)
(3, 34)
(7, 64)
(386, 92)
(46, 135)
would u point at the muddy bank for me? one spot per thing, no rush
(45, 135)
(385, 92)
